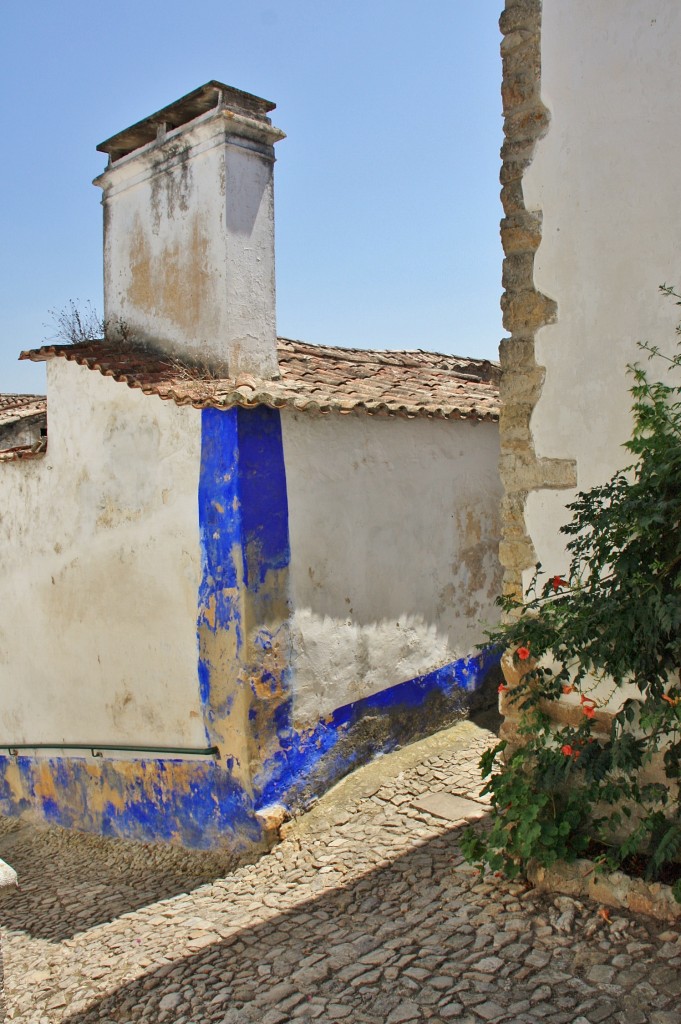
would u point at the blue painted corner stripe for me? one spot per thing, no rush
(219, 514)
(262, 489)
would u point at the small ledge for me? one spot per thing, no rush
(24, 452)
(583, 879)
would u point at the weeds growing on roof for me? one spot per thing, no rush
(74, 324)
(78, 323)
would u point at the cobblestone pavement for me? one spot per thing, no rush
(364, 913)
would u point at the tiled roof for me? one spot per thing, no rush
(21, 407)
(314, 378)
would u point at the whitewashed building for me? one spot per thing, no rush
(243, 564)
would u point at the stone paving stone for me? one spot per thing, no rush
(366, 913)
(407, 1011)
(336, 1011)
(449, 807)
(490, 1011)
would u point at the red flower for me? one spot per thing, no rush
(568, 689)
(567, 750)
(501, 688)
(523, 653)
(588, 706)
(558, 582)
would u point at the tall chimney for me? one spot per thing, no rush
(189, 231)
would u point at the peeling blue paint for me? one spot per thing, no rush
(219, 519)
(242, 600)
(243, 527)
(242, 499)
(306, 751)
(196, 803)
(204, 681)
(18, 803)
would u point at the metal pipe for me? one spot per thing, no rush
(97, 748)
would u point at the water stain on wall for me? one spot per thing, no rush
(172, 283)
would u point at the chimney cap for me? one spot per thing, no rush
(207, 97)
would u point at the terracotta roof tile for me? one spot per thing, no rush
(314, 378)
(21, 407)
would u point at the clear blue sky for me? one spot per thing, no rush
(387, 207)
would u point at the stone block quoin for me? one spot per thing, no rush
(525, 309)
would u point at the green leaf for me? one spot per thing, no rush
(617, 617)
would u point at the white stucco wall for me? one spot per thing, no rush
(189, 245)
(394, 532)
(100, 571)
(605, 177)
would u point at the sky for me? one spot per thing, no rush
(386, 187)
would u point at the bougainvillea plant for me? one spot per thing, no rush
(610, 620)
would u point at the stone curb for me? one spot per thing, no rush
(582, 879)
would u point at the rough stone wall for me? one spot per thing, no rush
(525, 309)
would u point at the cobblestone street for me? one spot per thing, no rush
(365, 912)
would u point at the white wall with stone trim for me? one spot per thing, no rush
(394, 529)
(101, 570)
(605, 179)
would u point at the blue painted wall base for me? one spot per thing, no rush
(312, 760)
(192, 803)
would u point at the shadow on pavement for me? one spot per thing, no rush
(413, 940)
(318, 952)
(69, 882)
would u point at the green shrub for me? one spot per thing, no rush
(613, 615)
